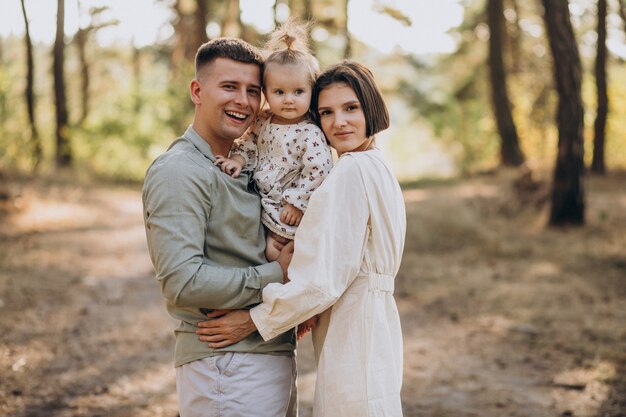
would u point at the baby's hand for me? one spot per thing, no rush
(291, 215)
(229, 166)
(307, 326)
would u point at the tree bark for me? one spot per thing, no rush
(510, 152)
(81, 42)
(622, 12)
(200, 24)
(63, 149)
(347, 51)
(599, 126)
(568, 197)
(232, 21)
(513, 36)
(29, 92)
(308, 10)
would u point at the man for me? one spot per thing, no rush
(207, 243)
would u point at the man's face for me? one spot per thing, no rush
(227, 95)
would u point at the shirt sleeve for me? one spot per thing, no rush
(176, 214)
(329, 249)
(317, 163)
(246, 146)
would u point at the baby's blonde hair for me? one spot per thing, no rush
(288, 45)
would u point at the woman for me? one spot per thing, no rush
(347, 252)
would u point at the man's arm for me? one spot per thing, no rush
(226, 327)
(176, 212)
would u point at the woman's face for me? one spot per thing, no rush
(342, 119)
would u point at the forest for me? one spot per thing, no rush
(508, 136)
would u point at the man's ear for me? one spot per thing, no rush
(194, 91)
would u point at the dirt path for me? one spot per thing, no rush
(500, 317)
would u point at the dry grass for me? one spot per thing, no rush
(501, 316)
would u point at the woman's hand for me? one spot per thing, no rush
(225, 327)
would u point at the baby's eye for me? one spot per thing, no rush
(298, 92)
(279, 92)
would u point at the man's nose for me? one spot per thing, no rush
(242, 98)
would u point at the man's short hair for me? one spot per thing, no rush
(231, 48)
(361, 80)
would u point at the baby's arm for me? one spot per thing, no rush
(232, 165)
(291, 215)
(316, 165)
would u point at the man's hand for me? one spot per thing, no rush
(291, 215)
(225, 328)
(231, 166)
(284, 259)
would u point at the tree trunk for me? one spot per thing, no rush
(510, 152)
(513, 36)
(29, 92)
(81, 43)
(200, 24)
(347, 51)
(622, 12)
(599, 126)
(232, 21)
(568, 197)
(63, 149)
(308, 10)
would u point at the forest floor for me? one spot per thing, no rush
(501, 316)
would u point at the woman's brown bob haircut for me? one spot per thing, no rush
(361, 80)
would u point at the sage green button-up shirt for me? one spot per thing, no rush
(207, 244)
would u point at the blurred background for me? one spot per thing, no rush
(508, 136)
(126, 67)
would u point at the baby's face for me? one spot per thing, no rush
(288, 92)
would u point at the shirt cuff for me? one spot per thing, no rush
(270, 273)
(257, 314)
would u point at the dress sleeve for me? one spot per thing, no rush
(316, 165)
(329, 249)
(246, 146)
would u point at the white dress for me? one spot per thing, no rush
(347, 252)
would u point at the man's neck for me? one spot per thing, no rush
(218, 147)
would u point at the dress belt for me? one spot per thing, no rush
(379, 282)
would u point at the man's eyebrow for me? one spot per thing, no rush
(258, 86)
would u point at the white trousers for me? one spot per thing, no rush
(238, 385)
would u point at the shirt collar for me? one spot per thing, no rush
(202, 145)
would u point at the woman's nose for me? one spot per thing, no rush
(340, 121)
